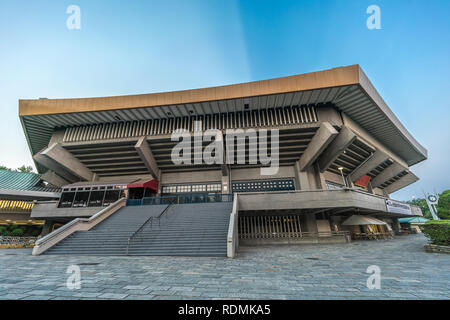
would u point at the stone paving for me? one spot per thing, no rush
(336, 271)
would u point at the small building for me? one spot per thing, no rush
(412, 224)
(18, 192)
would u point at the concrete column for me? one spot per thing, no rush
(144, 151)
(396, 225)
(311, 223)
(46, 228)
(321, 182)
(226, 184)
(302, 178)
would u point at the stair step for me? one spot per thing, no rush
(185, 230)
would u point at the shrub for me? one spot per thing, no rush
(16, 233)
(437, 231)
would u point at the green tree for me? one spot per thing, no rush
(422, 204)
(444, 205)
(25, 168)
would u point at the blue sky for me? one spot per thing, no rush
(128, 47)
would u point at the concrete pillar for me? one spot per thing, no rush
(302, 178)
(311, 223)
(46, 228)
(226, 184)
(396, 225)
(320, 178)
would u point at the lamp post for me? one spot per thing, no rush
(342, 174)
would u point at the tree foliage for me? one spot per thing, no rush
(444, 205)
(422, 204)
(23, 168)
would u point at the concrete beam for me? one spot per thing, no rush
(144, 151)
(54, 166)
(66, 160)
(54, 179)
(388, 173)
(377, 158)
(336, 147)
(324, 135)
(404, 181)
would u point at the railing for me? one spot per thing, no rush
(149, 220)
(78, 224)
(182, 199)
(233, 230)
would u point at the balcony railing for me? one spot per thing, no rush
(182, 199)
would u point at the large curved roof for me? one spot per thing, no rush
(348, 88)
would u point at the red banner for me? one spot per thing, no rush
(363, 181)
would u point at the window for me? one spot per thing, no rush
(111, 196)
(66, 199)
(214, 187)
(333, 186)
(81, 199)
(263, 185)
(194, 188)
(96, 198)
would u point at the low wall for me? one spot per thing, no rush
(305, 240)
(437, 249)
(50, 210)
(78, 224)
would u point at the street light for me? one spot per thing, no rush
(342, 174)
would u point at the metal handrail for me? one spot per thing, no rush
(150, 219)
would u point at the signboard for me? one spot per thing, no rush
(398, 207)
(363, 181)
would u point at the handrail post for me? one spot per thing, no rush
(150, 219)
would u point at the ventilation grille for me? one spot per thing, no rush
(231, 120)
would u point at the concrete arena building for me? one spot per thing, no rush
(342, 152)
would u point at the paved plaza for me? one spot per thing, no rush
(335, 271)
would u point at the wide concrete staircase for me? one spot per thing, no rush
(186, 230)
(180, 229)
